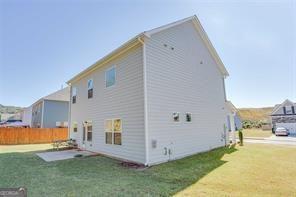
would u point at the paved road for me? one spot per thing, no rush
(273, 140)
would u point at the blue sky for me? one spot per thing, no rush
(45, 43)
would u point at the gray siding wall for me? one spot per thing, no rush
(55, 111)
(123, 100)
(178, 82)
(37, 114)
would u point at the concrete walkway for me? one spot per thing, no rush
(62, 155)
(280, 140)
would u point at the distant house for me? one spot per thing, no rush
(234, 122)
(51, 111)
(27, 115)
(158, 97)
(284, 115)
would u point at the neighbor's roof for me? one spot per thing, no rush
(136, 40)
(60, 95)
(277, 106)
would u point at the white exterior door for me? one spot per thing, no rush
(290, 126)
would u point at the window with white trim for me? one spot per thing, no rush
(110, 77)
(113, 131)
(74, 94)
(90, 86)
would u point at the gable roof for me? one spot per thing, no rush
(278, 106)
(139, 39)
(60, 95)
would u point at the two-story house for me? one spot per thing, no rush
(158, 97)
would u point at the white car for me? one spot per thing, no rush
(281, 131)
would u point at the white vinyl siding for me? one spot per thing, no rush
(110, 77)
(182, 77)
(124, 100)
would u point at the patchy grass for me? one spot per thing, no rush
(256, 133)
(251, 169)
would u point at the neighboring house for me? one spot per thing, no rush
(27, 116)
(233, 119)
(51, 111)
(158, 97)
(284, 115)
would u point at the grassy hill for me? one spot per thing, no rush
(255, 114)
(9, 109)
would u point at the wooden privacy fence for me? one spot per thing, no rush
(31, 135)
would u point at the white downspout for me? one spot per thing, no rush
(69, 112)
(232, 125)
(141, 40)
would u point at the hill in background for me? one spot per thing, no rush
(9, 109)
(256, 114)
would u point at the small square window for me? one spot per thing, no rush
(176, 117)
(188, 117)
(110, 77)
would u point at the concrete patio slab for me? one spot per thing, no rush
(62, 155)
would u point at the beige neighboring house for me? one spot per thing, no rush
(158, 97)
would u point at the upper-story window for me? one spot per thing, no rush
(288, 110)
(74, 94)
(90, 86)
(110, 76)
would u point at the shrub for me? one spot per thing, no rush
(248, 124)
(241, 137)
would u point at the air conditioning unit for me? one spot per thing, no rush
(62, 124)
(58, 124)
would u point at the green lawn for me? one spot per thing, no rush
(257, 133)
(241, 171)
